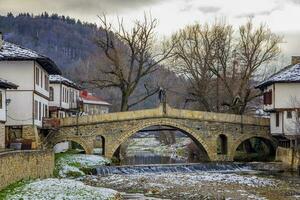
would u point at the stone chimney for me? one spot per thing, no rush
(295, 60)
(1, 40)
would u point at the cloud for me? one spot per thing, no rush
(295, 1)
(209, 9)
(79, 6)
(259, 13)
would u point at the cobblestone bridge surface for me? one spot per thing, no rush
(203, 127)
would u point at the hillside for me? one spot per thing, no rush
(65, 40)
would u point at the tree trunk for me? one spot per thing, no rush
(124, 102)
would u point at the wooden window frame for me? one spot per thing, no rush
(277, 119)
(37, 76)
(289, 115)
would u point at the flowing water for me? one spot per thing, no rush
(174, 168)
(164, 174)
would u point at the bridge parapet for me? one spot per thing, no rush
(161, 113)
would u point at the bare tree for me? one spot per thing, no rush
(129, 56)
(194, 53)
(215, 58)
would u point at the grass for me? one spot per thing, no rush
(12, 189)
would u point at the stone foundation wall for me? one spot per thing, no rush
(2, 135)
(289, 157)
(18, 165)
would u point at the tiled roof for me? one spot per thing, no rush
(15, 52)
(89, 98)
(61, 79)
(288, 74)
(7, 85)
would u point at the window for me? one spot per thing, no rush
(1, 100)
(37, 76)
(268, 98)
(63, 94)
(289, 114)
(67, 96)
(51, 94)
(36, 110)
(46, 111)
(46, 82)
(42, 79)
(277, 119)
(40, 111)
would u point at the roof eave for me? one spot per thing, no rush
(8, 85)
(266, 84)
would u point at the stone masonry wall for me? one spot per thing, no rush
(18, 165)
(289, 157)
(2, 135)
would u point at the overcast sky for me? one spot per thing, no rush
(282, 16)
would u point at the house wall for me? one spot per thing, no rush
(274, 129)
(64, 97)
(95, 109)
(56, 95)
(41, 87)
(43, 102)
(20, 109)
(287, 95)
(20, 73)
(3, 108)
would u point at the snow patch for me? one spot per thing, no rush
(61, 189)
(73, 162)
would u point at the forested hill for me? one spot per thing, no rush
(63, 39)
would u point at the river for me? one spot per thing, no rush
(164, 173)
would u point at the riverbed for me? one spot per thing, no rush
(203, 185)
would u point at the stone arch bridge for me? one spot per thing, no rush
(203, 127)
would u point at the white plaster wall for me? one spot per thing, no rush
(19, 110)
(276, 130)
(56, 93)
(39, 87)
(290, 123)
(3, 109)
(65, 102)
(43, 102)
(18, 72)
(287, 95)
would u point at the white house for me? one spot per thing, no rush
(64, 97)
(282, 101)
(29, 103)
(4, 85)
(93, 105)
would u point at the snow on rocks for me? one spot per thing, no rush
(71, 163)
(61, 189)
(167, 180)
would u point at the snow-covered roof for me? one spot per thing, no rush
(89, 98)
(10, 51)
(7, 85)
(288, 74)
(61, 79)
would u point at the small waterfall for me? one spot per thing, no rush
(183, 168)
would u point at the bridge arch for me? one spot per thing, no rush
(267, 139)
(195, 135)
(86, 147)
